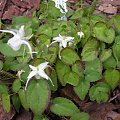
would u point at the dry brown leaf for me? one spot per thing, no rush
(113, 115)
(99, 111)
(107, 8)
(4, 115)
(24, 115)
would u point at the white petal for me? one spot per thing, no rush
(53, 42)
(21, 31)
(14, 30)
(27, 84)
(58, 39)
(43, 74)
(69, 39)
(60, 36)
(32, 73)
(30, 49)
(43, 66)
(64, 43)
(33, 68)
(8, 31)
(15, 43)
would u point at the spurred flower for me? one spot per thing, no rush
(18, 39)
(63, 40)
(38, 72)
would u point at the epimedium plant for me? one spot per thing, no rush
(82, 51)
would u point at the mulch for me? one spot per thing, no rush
(10, 8)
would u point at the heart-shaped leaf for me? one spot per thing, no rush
(69, 56)
(99, 92)
(104, 33)
(78, 68)
(93, 70)
(82, 89)
(105, 54)
(89, 51)
(110, 63)
(63, 107)
(116, 21)
(38, 96)
(112, 77)
(61, 70)
(71, 78)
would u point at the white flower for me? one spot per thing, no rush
(18, 39)
(38, 72)
(81, 34)
(63, 40)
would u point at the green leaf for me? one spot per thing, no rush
(116, 21)
(6, 102)
(112, 77)
(99, 92)
(110, 63)
(71, 78)
(25, 74)
(16, 85)
(13, 65)
(20, 20)
(116, 48)
(94, 65)
(26, 58)
(105, 54)
(1, 65)
(53, 12)
(8, 51)
(96, 18)
(63, 107)
(40, 117)
(89, 51)
(69, 56)
(3, 89)
(45, 29)
(38, 96)
(80, 116)
(82, 89)
(93, 70)
(51, 55)
(103, 33)
(78, 68)
(53, 76)
(22, 97)
(61, 70)
(16, 102)
(77, 14)
(93, 76)
(87, 33)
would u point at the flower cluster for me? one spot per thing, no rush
(19, 39)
